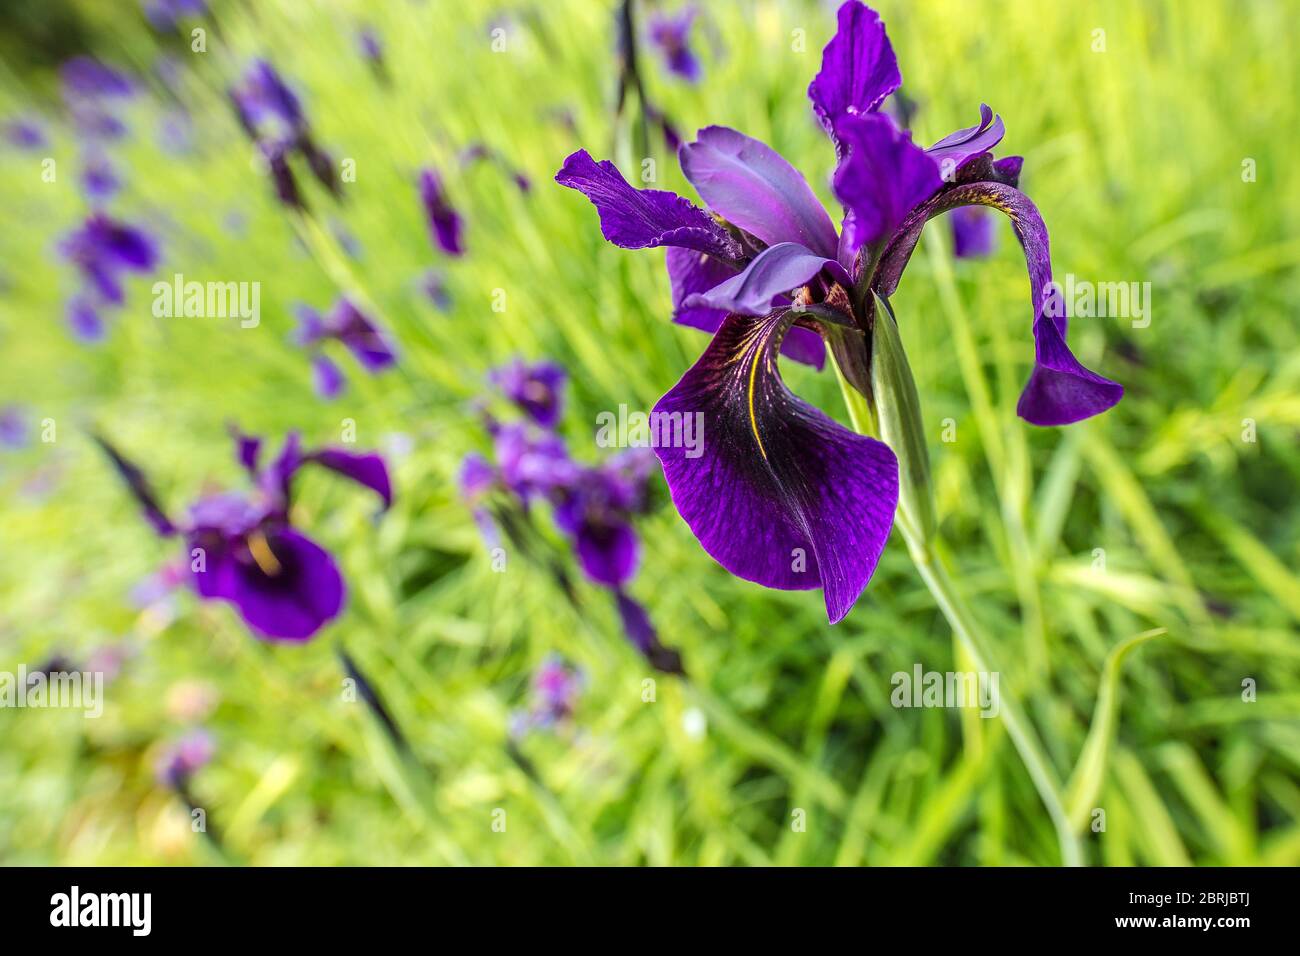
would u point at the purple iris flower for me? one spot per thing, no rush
(99, 178)
(445, 224)
(553, 697)
(183, 758)
(672, 36)
(25, 134)
(593, 506)
(104, 250)
(538, 389)
(272, 116)
(164, 15)
(347, 324)
(243, 548)
(14, 431)
(972, 232)
(85, 77)
(783, 495)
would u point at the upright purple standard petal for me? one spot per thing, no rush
(883, 177)
(858, 68)
(955, 148)
(774, 272)
(1060, 390)
(366, 469)
(751, 185)
(642, 218)
(782, 495)
(362, 337)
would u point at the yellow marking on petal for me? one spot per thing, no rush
(262, 554)
(753, 420)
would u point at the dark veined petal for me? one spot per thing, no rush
(642, 218)
(955, 148)
(1060, 389)
(691, 272)
(781, 495)
(883, 178)
(858, 68)
(774, 272)
(751, 185)
(295, 595)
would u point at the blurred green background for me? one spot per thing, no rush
(1067, 541)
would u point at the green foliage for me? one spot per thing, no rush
(1067, 542)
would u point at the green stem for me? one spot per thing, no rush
(934, 572)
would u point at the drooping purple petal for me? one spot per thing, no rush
(85, 320)
(139, 487)
(445, 224)
(774, 272)
(858, 68)
(608, 552)
(366, 469)
(751, 185)
(883, 177)
(782, 495)
(1060, 389)
(955, 148)
(641, 632)
(643, 218)
(296, 594)
(691, 272)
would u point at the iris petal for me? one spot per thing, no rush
(751, 185)
(858, 68)
(295, 602)
(774, 272)
(781, 494)
(955, 148)
(642, 218)
(883, 177)
(1060, 389)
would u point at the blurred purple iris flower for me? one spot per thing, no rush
(783, 495)
(347, 324)
(553, 698)
(165, 15)
(104, 250)
(671, 34)
(272, 116)
(183, 758)
(25, 134)
(972, 232)
(445, 224)
(90, 91)
(593, 506)
(14, 428)
(244, 549)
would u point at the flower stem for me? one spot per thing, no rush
(934, 572)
